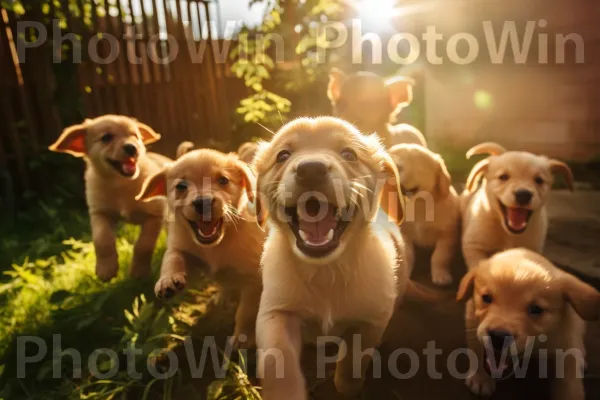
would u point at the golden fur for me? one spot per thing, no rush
(352, 288)
(485, 210)
(247, 151)
(111, 185)
(369, 102)
(233, 251)
(432, 208)
(521, 293)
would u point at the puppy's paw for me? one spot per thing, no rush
(441, 277)
(481, 384)
(105, 271)
(169, 285)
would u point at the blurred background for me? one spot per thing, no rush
(217, 93)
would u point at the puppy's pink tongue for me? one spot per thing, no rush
(517, 217)
(207, 227)
(317, 226)
(129, 166)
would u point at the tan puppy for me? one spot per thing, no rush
(184, 148)
(247, 151)
(369, 102)
(207, 194)
(327, 266)
(114, 150)
(433, 214)
(509, 209)
(518, 295)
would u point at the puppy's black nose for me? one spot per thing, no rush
(311, 172)
(203, 205)
(130, 150)
(500, 339)
(523, 196)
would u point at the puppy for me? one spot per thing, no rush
(369, 102)
(207, 194)
(509, 208)
(184, 148)
(114, 150)
(327, 266)
(433, 211)
(518, 295)
(247, 151)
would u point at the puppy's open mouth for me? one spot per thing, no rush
(317, 226)
(516, 219)
(126, 168)
(499, 364)
(207, 232)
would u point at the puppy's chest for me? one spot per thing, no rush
(422, 233)
(119, 201)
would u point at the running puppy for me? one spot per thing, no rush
(509, 208)
(518, 295)
(433, 214)
(114, 149)
(207, 195)
(369, 102)
(327, 266)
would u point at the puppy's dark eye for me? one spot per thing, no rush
(349, 155)
(535, 310)
(539, 180)
(181, 186)
(283, 156)
(223, 181)
(107, 137)
(487, 298)
(503, 177)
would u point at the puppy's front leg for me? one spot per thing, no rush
(279, 342)
(103, 235)
(478, 381)
(173, 276)
(144, 247)
(473, 255)
(351, 369)
(441, 258)
(245, 315)
(570, 385)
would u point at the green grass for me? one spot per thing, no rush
(61, 295)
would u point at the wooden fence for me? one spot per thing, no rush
(153, 60)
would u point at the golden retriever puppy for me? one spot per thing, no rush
(521, 303)
(247, 151)
(509, 208)
(330, 263)
(432, 208)
(114, 150)
(184, 148)
(370, 102)
(207, 193)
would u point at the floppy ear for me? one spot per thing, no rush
(466, 286)
(400, 91)
(71, 141)
(154, 186)
(583, 297)
(559, 167)
(443, 178)
(478, 170)
(148, 134)
(260, 207)
(184, 148)
(392, 200)
(490, 148)
(247, 179)
(337, 78)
